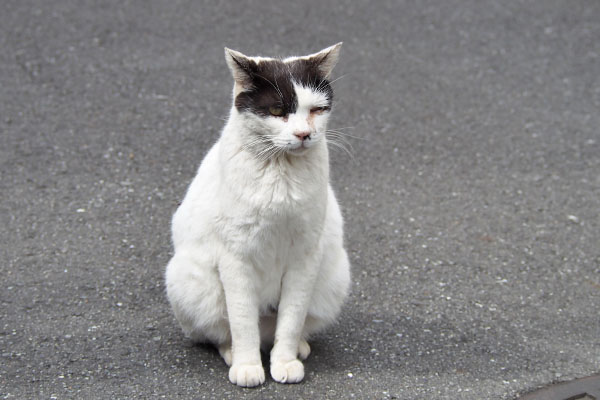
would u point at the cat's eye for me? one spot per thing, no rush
(318, 109)
(276, 111)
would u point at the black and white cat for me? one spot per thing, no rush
(258, 239)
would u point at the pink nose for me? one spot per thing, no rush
(302, 135)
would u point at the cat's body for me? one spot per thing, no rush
(258, 239)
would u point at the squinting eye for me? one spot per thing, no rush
(318, 109)
(276, 111)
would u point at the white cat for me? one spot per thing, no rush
(258, 239)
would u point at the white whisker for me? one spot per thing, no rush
(340, 140)
(345, 134)
(342, 147)
(337, 79)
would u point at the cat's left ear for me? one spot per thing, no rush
(326, 59)
(240, 66)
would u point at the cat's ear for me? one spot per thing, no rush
(240, 66)
(326, 59)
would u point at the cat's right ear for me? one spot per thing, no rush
(240, 67)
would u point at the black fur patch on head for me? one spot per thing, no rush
(272, 84)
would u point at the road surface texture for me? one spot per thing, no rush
(471, 196)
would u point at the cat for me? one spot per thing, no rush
(259, 257)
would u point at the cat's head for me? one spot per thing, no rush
(283, 103)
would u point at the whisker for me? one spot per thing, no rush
(342, 147)
(268, 152)
(272, 153)
(345, 127)
(337, 136)
(254, 142)
(337, 79)
(264, 151)
(345, 134)
(341, 141)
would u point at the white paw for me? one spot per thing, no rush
(247, 375)
(303, 350)
(287, 372)
(225, 352)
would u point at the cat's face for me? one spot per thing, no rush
(285, 104)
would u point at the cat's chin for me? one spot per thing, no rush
(298, 151)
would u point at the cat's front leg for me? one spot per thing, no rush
(242, 310)
(296, 289)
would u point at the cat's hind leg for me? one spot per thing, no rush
(198, 301)
(331, 289)
(303, 349)
(225, 352)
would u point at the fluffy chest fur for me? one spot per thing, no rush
(269, 212)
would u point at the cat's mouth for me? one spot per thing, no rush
(302, 146)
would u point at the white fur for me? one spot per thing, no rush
(258, 243)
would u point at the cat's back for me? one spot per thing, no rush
(199, 204)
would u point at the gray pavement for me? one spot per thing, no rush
(471, 201)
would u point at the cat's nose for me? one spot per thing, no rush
(302, 135)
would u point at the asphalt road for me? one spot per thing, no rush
(471, 198)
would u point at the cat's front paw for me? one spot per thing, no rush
(247, 375)
(287, 372)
